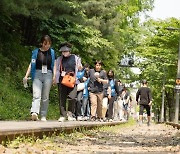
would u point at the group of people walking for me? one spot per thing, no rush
(84, 93)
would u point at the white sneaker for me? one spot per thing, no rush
(61, 119)
(116, 119)
(43, 119)
(101, 120)
(79, 118)
(110, 120)
(34, 116)
(85, 118)
(70, 118)
(69, 113)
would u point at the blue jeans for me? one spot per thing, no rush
(41, 87)
(85, 107)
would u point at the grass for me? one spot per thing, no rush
(15, 100)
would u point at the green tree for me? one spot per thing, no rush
(160, 50)
(98, 29)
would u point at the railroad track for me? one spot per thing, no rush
(10, 130)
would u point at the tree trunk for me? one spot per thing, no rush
(170, 104)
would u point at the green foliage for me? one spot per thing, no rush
(86, 40)
(160, 52)
(103, 30)
(14, 102)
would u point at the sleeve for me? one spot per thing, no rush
(58, 68)
(137, 95)
(104, 75)
(79, 64)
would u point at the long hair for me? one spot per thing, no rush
(86, 69)
(110, 71)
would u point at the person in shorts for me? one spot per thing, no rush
(144, 99)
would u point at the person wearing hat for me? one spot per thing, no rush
(67, 63)
(144, 94)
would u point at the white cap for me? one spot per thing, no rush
(65, 48)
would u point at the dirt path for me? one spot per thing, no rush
(153, 139)
(134, 139)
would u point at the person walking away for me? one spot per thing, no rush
(145, 96)
(98, 77)
(43, 71)
(67, 64)
(112, 96)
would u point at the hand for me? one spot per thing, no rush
(96, 74)
(150, 104)
(25, 80)
(84, 78)
(99, 80)
(109, 96)
(80, 68)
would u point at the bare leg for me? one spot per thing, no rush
(149, 119)
(140, 119)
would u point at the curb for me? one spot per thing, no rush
(54, 129)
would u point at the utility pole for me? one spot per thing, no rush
(176, 119)
(177, 87)
(163, 93)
